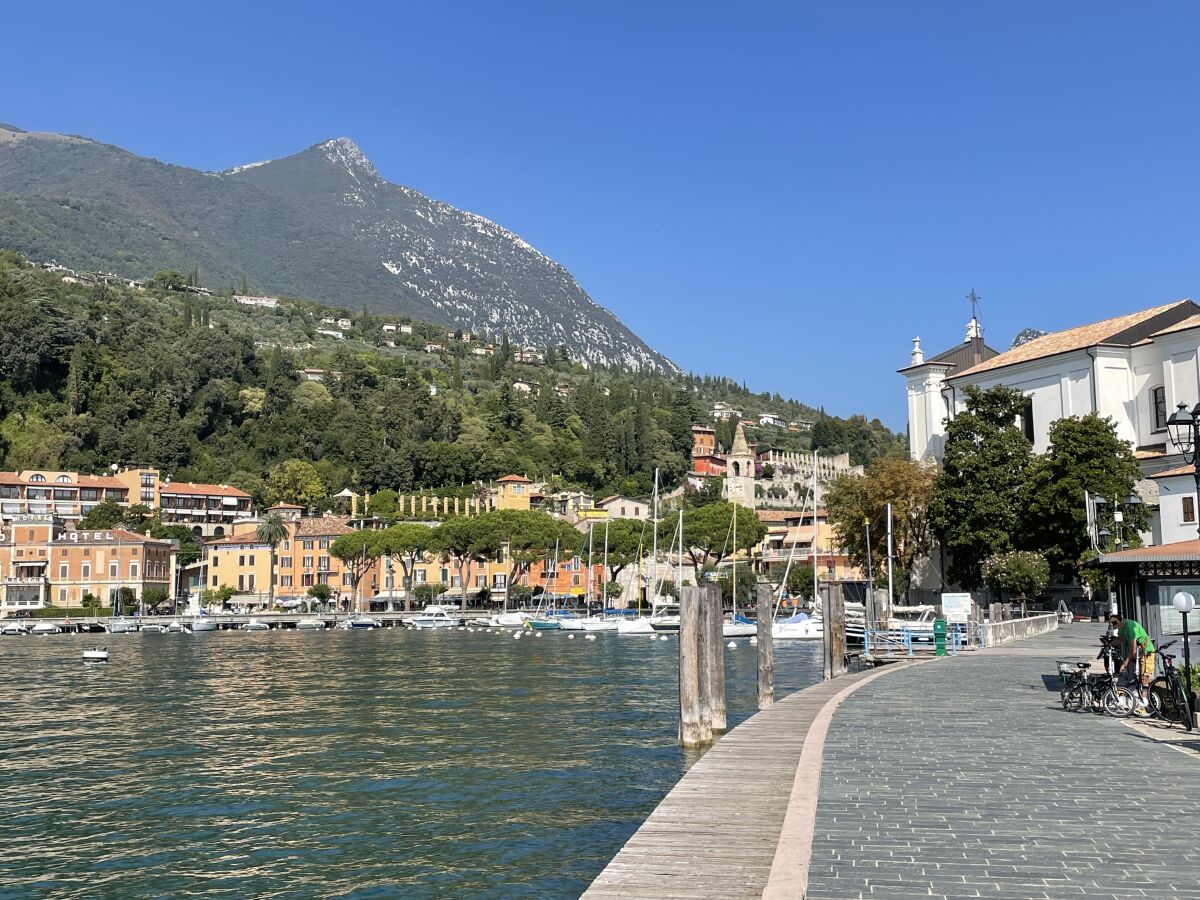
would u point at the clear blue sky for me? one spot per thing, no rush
(782, 192)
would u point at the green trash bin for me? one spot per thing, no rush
(939, 637)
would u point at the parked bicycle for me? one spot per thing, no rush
(1168, 694)
(1082, 691)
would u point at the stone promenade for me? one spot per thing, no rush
(964, 777)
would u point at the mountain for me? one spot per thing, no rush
(321, 223)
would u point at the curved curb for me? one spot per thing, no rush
(793, 854)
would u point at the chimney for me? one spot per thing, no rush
(918, 355)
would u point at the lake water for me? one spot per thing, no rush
(357, 764)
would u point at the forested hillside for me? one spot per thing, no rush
(208, 390)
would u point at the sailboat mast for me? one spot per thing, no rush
(654, 552)
(679, 563)
(735, 561)
(604, 574)
(816, 595)
(591, 527)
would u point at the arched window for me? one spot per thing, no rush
(63, 479)
(37, 476)
(737, 469)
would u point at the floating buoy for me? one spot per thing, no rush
(589, 637)
(663, 638)
(753, 641)
(517, 636)
(538, 634)
(570, 637)
(731, 644)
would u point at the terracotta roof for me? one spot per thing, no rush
(1082, 337)
(104, 481)
(209, 490)
(322, 526)
(1178, 552)
(520, 479)
(127, 536)
(1190, 322)
(10, 478)
(776, 515)
(1150, 452)
(1173, 473)
(286, 506)
(247, 537)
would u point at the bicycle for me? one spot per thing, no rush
(1080, 690)
(1167, 691)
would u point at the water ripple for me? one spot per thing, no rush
(356, 765)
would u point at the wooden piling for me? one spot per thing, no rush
(689, 672)
(766, 649)
(714, 678)
(833, 628)
(704, 665)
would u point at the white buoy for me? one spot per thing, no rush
(731, 644)
(663, 638)
(753, 641)
(570, 637)
(538, 634)
(517, 636)
(589, 637)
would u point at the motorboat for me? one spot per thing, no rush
(177, 627)
(154, 628)
(510, 619)
(256, 625)
(359, 623)
(14, 629)
(637, 625)
(45, 628)
(800, 627)
(739, 626)
(95, 654)
(202, 623)
(436, 617)
(121, 625)
(538, 623)
(310, 624)
(603, 623)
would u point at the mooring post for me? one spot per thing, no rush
(704, 664)
(689, 672)
(766, 650)
(716, 659)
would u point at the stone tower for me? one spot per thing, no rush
(739, 471)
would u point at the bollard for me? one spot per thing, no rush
(766, 651)
(689, 673)
(939, 637)
(704, 665)
(715, 676)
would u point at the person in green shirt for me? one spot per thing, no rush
(1136, 641)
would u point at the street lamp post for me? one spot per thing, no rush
(1184, 428)
(1185, 603)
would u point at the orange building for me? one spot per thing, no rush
(791, 535)
(512, 492)
(46, 564)
(704, 441)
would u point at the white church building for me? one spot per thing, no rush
(1135, 369)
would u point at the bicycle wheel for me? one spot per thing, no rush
(1167, 701)
(1119, 702)
(1073, 699)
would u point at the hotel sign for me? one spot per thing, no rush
(84, 537)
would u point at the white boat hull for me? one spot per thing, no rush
(310, 625)
(738, 629)
(810, 630)
(635, 626)
(594, 625)
(509, 620)
(199, 625)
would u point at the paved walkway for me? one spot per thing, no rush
(965, 778)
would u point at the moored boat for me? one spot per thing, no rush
(42, 628)
(14, 629)
(800, 627)
(95, 654)
(256, 625)
(121, 625)
(311, 624)
(435, 617)
(154, 628)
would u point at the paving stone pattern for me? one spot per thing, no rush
(965, 778)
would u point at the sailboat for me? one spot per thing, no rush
(736, 625)
(550, 618)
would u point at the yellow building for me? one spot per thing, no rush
(241, 562)
(512, 492)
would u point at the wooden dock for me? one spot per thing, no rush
(716, 833)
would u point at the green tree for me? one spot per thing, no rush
(1020, 572)
(428, 592)
(167, 280)
(462, 540)
(271, 531)
(153, 598)
(104, 515)
(320, 592)
(852, 500)
(708, 533)
(800, 582)
(1085, 455)
(357, 551)
(978, 500)
(295, 481)
(626, 540)
(407, 544)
